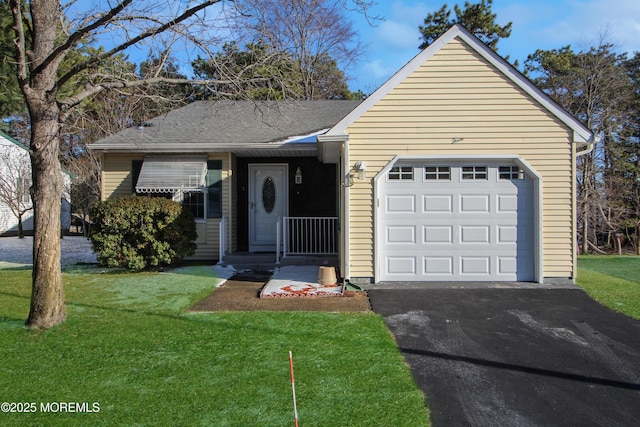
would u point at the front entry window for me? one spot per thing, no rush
(268, 194)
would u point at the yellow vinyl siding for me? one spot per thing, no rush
(458, 94)
(117, 182)
(116, 175)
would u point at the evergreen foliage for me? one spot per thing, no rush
(141, 232)
(475, 18)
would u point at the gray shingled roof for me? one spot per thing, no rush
(223, 125)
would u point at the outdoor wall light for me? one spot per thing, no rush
(360, 167)
(298, 176)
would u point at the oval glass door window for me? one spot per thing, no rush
(268, 194)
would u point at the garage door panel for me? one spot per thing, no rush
(507, 203)
(477, 230)
(437, 234)
(401, 203)
(401, 265)
(475, 265)
(437, 203)
(474, 203)
(507, 265)
(405, 234)
(507, 234)
(474, 234)
(438, 265)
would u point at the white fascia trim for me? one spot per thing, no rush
(580, 133)
(299, 137)
(526, 167)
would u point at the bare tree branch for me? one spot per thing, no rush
(137, 39)
(20, 44)
(76, 36)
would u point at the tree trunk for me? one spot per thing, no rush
(20, 229)
(37, 73)
(47, 299)
(585, 231)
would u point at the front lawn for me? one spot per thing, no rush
(613, 281)
(129, 347)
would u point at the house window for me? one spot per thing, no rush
(475, 173)
(194, 201)
(22, 187)
(437, 173)
(510, 172)
(401, 173)
(214, 188)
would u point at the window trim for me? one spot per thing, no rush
(437, 173)
(474, 173)
(400, 174)
(515, 173)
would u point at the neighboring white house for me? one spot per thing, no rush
(15, 167)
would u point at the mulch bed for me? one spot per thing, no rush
(241, 293)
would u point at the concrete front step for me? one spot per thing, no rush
(267, 261)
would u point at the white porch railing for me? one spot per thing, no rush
(309, 235)
(222, 236)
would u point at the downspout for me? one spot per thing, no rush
(590, 145)
(346, 184)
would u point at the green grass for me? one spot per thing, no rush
(129, 346)
(613, 281)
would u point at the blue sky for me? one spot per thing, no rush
(537, 24)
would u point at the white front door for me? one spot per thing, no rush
(268, 201)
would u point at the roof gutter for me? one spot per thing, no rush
(129, 147)
(589, 146)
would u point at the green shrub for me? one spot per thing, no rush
(140, 232)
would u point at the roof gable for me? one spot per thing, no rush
(580, 133)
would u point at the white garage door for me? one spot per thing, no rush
(446, 221)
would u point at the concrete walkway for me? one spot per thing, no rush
(517, 357)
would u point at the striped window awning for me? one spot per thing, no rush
(160, 174)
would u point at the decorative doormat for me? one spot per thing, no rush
(298, 282)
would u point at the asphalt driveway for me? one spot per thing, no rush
(517, 357)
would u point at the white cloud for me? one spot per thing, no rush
(399, 30)
(378, 69)
(397, 35)
(619, 20)
(553, 24)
